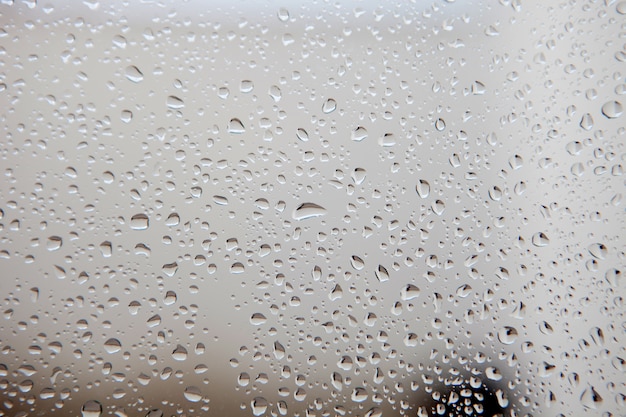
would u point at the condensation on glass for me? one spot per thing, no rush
(312, 208)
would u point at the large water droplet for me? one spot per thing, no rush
(192, 394)
(259, 406)
(422, 188)
(308, 210)
(359, 134)
(507, 335)
(257, 319)
(91, 409)
(586, 122)
(612, 109)
(134, 74)
(235, 126)
(174, 103)
(329, 106)
(302, 134)
(112, 345)
(539, 239)
(590, 398)
(54, 243)
(139, 222)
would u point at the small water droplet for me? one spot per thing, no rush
(440, 125)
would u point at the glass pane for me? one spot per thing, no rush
(312, 208)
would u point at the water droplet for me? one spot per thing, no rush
(493, 373)
(358, 175)
(612, 109)
(259, 406)
(243, 379)
(422, 188)
(275, 93)
(356, 262)
(152, 321)
(283, 14)
(359, 395)
(409, 292)
(170, 269)
(193, 394)
(134, 74)
(237, 268)
(516, 162)
(586, 122)
(359, 134)
(139, 222)
(598, 250)
(235, 126)
(91, 409)
(440, 125)
(590, 398)
(539, 239)
(54, 243)
(257, 319)
(172, 220)
(112, 345)
(246, 86)
(329, 106)
(386, 140)
(613, 277)
(478, 88)
(126, 116)
(507, 335)
(174, 103)
(382, 274)
(438, 207)
(180, 353)
(302, 134)
(621, 7)
(308, 210)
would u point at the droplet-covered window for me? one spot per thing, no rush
(312, 208)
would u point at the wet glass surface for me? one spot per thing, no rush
(312, 208)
